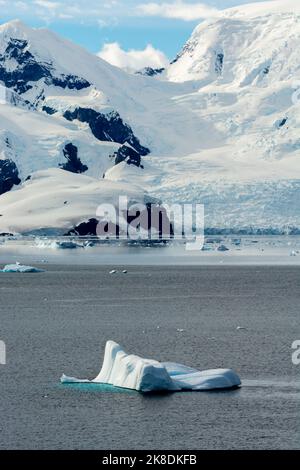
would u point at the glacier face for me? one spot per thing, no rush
(221, 123)
(147, 375)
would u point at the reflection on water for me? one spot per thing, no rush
(96, 387)
(268, 388)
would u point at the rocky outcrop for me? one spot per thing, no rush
(27, 69)
(219, 63)
(107, 127)
(150, 72)
(129, 155)
(154, 218)
(73, 163)
(84, 229)
(9, 175)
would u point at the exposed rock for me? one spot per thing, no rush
(281, 122)
(73, 164)
(85, 229)
(129, 155)
(107, 127)
(150, 72)
(49, 110)
(28, 69)
(155, 219)
(9, 175)
(219, 63)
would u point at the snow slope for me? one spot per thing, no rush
(147, 375)
(35, 141)
(54, 201)
(221, 123)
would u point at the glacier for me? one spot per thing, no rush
(146, 375)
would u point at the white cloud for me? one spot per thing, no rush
(103, 10)
(47, 4)
(178, 10)
(133, 59)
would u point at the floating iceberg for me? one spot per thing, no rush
(146, 375)
(222, 248)
(19, 268)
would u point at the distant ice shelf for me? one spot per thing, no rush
(146, 375)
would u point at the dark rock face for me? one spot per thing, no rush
(9, 175)
(219, 63)
(188, 48)
(107, 127)
(70, 81)
(129, 155)
(73, 163)
(49, 110)
(282, 122)
(30, 70)
(84, 229)
(155, 218)
(150, 72)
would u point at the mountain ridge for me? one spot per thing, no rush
(219, 125)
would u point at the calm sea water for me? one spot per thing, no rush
(58, 322)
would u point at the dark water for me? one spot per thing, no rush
(59, 321)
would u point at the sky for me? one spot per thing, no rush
(128, 33)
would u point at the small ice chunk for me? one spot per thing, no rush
(68, 245)
(206, 248)
(241, 328)
(113, 271)
(147, 375)
(222, 248)
(19, 268)
(124, 271)
(293, 253)
(236, 241)
(68, 380)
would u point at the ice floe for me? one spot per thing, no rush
(19, 268)
(146, 375)
(222, 248)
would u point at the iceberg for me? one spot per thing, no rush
(146, 375)
(19, 268)
(222, 248)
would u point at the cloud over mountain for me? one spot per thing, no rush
(133, 59)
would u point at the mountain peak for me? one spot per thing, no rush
(252, 10)
(14, 26)
(251, 44)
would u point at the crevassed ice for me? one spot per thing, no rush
(147, 375)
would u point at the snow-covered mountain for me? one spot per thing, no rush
(220, 126)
